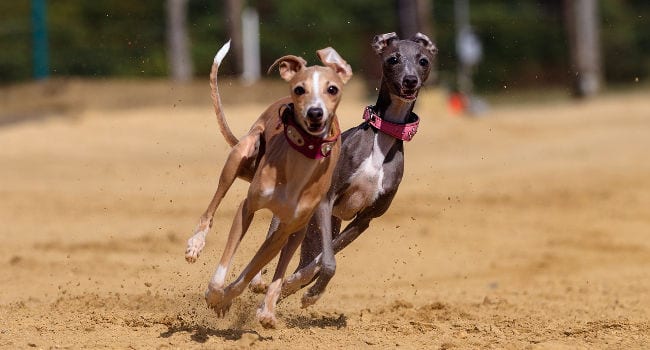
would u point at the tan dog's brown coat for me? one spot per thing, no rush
(281, 179)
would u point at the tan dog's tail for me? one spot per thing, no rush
(216, 99)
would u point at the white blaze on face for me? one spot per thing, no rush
(317, 96)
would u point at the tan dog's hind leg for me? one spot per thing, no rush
(266, 311)
(241, 152)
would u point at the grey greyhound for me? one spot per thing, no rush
(370, 167)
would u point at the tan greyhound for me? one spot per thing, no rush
(288, 156)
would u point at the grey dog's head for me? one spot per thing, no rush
(406, 64)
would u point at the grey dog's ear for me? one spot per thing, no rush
(381, 41)
(332, 59)
(288, 66)
(425, 42)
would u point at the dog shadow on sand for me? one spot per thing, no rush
(242, 326)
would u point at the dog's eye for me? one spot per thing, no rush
(299, 90)
(332, 90)
(424, 62)
(392, 60)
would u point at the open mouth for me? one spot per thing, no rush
(315, 127)
(409, 94)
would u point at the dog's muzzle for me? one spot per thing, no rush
(315, 119)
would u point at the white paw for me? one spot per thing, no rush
(194, 246)
(267, 319)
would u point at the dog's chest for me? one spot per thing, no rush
(291, 193)
(366, 183)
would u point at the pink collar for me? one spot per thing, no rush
(404, 132)
(310, 146)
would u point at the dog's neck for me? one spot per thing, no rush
(391, 107)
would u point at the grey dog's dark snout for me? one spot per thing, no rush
(410, 82)
(315, 114)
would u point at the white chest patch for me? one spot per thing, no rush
(267, 193)
(372, 178)
(369, 176)
(366, 184)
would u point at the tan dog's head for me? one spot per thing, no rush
(315, 90)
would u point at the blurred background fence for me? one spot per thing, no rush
(525, 42)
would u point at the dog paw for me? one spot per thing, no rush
(216, 300)
(309, 299)
(291, 285)
(299, 279)
(258, 286)
(194, 246)
(266, 319)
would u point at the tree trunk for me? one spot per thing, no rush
(425, 14)
(407, 15)
(425, 26)
(233, 11)
(582, 23)
(178, 53)
(416, 16)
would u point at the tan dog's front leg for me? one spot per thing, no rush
(266, 311)
(240, 225)
(220, 299)
(242, 152)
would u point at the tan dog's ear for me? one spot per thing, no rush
(288, 66)
(381, 41)
(332, 59)
(426, 42)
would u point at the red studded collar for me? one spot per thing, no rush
(310, 146)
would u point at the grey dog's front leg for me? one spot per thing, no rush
(349, 234)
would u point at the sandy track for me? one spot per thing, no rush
(528, 227)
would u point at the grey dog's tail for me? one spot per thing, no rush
(216, 99)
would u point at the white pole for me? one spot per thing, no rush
(251, 43)
(461, 15)
(582, 22)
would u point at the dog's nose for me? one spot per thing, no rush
(410, 82)
(315, 113)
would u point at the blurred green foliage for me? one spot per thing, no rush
(524, 41)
